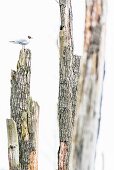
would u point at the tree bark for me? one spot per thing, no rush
(69, 74)
(90, 88)
(13, 146)
(25, 112)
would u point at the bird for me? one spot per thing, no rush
(22, 42)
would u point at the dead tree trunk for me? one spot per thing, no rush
(25, 112)
(13, 145)
(90, 88)
(69, 73)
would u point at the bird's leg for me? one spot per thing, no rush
(23, 47)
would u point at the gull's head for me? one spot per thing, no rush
(29, 37)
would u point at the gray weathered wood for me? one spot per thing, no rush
(69, 74)
(90, 88)
(25, 112)
(13, 146)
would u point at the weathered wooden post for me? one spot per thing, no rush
(25, 112)
(69, 73)
(13, 145)
(90, 88)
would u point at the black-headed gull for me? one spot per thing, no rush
(22, 42)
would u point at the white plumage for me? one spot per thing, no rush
(22, 42)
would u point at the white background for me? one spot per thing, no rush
(40, 19)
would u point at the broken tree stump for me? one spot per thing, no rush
(13, 145)
(25, 112)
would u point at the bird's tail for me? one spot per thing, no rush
(12, 41)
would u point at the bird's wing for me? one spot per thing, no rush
(21, 41)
